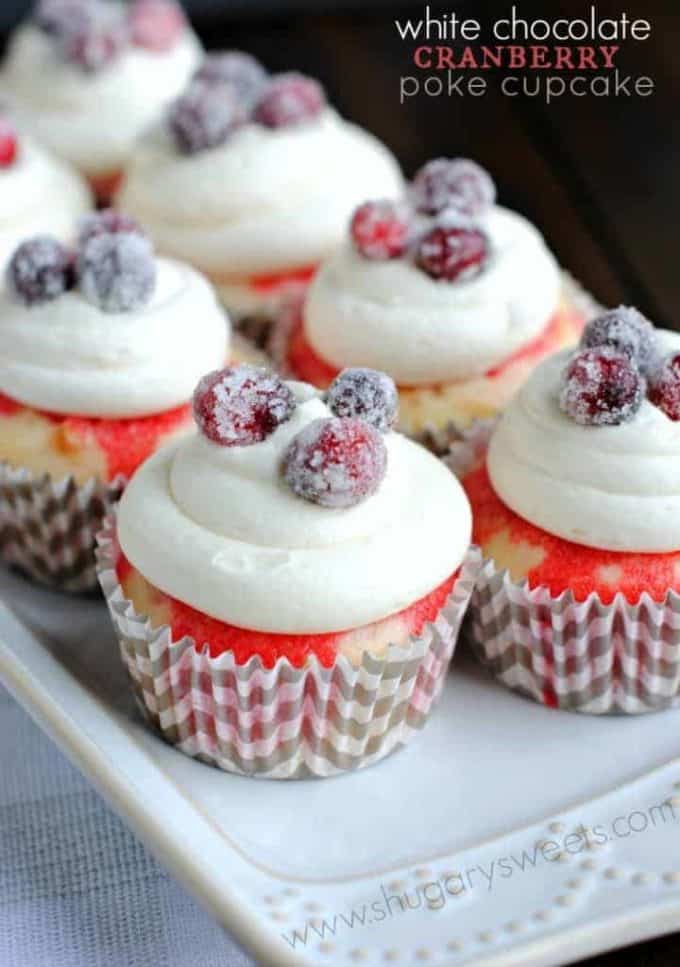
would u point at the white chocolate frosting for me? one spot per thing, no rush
(265, 201)
(39, 195)
(92, 120)
(391, 315)
(218, 528)
(611, 487)
(68, 356)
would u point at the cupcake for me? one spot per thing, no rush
(575, 508)
(86, 77)
(252, 178)
(38, 193)
(101, 349)
(287, 584)
(455, 297)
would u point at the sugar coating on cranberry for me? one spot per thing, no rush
(626, 330)
(107, 222)
(205, 116)
(664, 386)
(335, 462)
(241, 405)
(380, 230)
(289, 99)
(366, 394)
(156, 24)
(94, 36)
(453, 183)
(601, 387)
(235, 67)
(40, 270)
(9, 142)
(55, 17)
(453, 253)
(117, 272)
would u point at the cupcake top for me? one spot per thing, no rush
(295, 513)
(37, 191)
(441, 286)
(87, 76)
(108, 330)
(251, 173)
(589, 449)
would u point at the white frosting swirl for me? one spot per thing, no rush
(93, 119)
(392, 316)
(611, 487)
(68, 356)
(38, 195)
(265, 201)
(217, 528)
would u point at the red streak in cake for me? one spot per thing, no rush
(105, 186)
(275, 280)
(221, 637)
(566, 565)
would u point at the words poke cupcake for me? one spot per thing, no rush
(453, 296)
(288, 583)
(86, 77)
(576, 508)
(100, 351)
(252, 179)
(38, 193)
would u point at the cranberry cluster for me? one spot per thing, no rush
(91, 34)
(113, 265)
(436, 226)
(231, 89)
(616, 366)
(334, 462)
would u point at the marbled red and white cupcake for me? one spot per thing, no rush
(455, 297)
(252, 179)
(314, 562)
(100, 351)
(38, 192)
(86, 77)
(576, 509)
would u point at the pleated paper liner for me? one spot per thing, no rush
(582, 656)
(282, 722)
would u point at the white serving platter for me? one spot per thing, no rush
(407, 845)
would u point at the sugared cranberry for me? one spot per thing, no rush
(664, 387)
(94, 39)
(9, 142)
(55, 17)
(117, 272)
(366, 394)
(626, 330)
(156, 24)
(235, 67)
(241, 405)
(601, 387)
(205, 116)
(453, 253)
(40, 270)
(107, 222)
(453, 183)
(380, 229)
(335, 462)
(289, 99)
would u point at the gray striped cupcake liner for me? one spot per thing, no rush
(282, 722)
(582, 656)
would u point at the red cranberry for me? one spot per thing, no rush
(627, 331)
(380, 229)
(453, 253)
(205, 116)
(601, 387)
(40, 270)
(156, 24)
(241, 405)
(366, 394)
(335, 462)
(117, 272)
(453, 183)
(289, 99)
(234, 67)
(107, 222)
(664, 387)
(9, 142)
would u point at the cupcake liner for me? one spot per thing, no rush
(282, 722)
(582, 656)
(48, 528)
